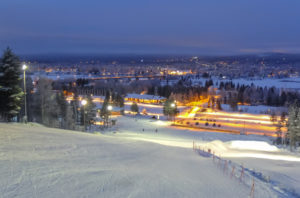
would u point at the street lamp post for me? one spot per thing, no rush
(24, 67)
(83, 103)
(109, 108)
(173, 111)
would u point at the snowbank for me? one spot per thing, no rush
(252, 145)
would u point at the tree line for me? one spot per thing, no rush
(45, 104)
(257, 95)
(49, 106)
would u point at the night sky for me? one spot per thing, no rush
(207, 27)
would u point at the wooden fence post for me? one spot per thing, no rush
(225, 166)
(232, 172)
(193, 146)
(252, 188)
(242, 173)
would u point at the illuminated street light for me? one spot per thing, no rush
(83, 103)
(24, 67)
(173, 105)
(109, 108)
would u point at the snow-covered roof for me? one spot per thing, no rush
(145, 97)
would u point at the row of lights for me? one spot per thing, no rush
(84, 102)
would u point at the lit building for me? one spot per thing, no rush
(149, 99)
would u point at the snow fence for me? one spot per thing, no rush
(259, 184)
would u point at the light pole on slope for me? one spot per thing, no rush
(83, 103)
(24, 67)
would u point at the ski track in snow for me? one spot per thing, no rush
(43, 162)
(268, 160)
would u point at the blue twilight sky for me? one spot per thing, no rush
(207, 27)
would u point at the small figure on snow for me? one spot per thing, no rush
(155, 130)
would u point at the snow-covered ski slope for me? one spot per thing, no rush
(254, 152)
(36, 161)
(43, 162)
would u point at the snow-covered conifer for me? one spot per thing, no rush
(10, 91)
(293, 125)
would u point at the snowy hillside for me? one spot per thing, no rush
(255, 152)
(43, 162)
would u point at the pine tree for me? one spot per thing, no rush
(10, 91)
(233, 104)
(89, 111)
(134, 108)
(104, 113)
(70, 120)
(63, 105)
(170, 108)
(46, 107)
(29, 99)
(273, 118)
(293, 125)
(278, 123)
(218, 105)
(75, 106)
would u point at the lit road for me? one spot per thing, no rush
(236, 122)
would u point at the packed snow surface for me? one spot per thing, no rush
(253, 151)
(137, 158)
(42, 162)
